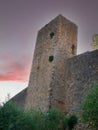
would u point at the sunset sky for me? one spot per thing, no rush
(20, 21)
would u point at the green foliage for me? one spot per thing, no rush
(38, 119)
(51, 58)
(51, 34)
(95, 41)
(53, 119)
(65, 123)
(72, 121)
(15, 118)
(90, 108)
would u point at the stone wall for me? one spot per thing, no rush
(58, 77)
(81, 74)
(46, 85)
(19, 99)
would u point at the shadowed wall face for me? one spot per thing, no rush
(56, 42)
(81, 74)
(19, 99)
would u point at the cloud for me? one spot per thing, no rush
(15, 70)
(15, 75)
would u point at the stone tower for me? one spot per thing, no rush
(56, 42)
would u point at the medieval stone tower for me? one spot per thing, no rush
(59, 78)
(56, 42)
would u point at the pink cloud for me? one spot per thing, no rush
(16, 70)
(15, 76)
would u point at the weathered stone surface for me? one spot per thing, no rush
(19, 99)
(50, 75)
(81, 74)
(63, 81)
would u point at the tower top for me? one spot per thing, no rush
(59, 19)
(63, 18)
(64, 35)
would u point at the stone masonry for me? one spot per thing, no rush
(81, 75)
(47, 78)
(59, 78)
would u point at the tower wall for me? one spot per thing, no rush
(56, 41)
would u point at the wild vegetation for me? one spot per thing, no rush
(95, 41)
(15, 118)
(90, 108)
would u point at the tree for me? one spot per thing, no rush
(90, 108)
(95, 41)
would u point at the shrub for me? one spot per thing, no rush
(51, 58)
(53, 119)
(90, 108)
(51, 34)
(15, 118)
(72, 121)
(65, 123)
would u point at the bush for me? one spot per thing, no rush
(65, 123)
(51, 34)
(72, 121)
(90, 108)
(53, 119)
(15, 118)
(51, 58)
